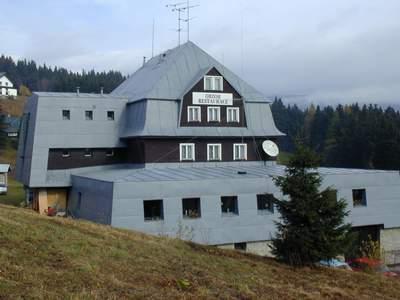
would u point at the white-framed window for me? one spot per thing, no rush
(213, 114)
(240, 151)
(232, 114)
(194, 114)
(213, 83)
(214, 152)
(186, 151)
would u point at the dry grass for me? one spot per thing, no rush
(13, 107)
(43, 257)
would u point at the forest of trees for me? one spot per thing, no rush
(44, 78)
(349, 136)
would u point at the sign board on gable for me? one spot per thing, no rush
(212, 98)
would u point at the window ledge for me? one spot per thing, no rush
(224, 214)
(265, 212)
(153, 220)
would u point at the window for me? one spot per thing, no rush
(110, 152)
(359, 197)
(214, 114)
(240, 246)
(110, 115)
(88, 153)
(66, 153)
(213, 83)
(194, 114)
(240, 151)
(214, 152)
(79, 200)
(191, 208)
(153, 210)
(89, 115)
(232, 114)
(265, 203)
(229, 205)
(187, 152)
(66, 114)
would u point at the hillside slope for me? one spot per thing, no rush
(43, 257)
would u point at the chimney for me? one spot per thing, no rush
(144, 60)
(101, 90)
(77, 90)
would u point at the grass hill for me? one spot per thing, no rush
(43, 257)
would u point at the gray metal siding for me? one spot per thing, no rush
(96, 200)
(383, 197)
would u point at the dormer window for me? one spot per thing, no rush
(194, 114)
(213, 83)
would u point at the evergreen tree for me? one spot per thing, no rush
(312, 222)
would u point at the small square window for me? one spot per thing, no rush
(66, 114)
(265, 203)
(191, 208)
(66, 153)
(88, 153)
(214, 152)
(153, 210)
(359, 197)
(110, 152)
(229, 205)
(194, 114)
(213, 83)
(240, 151)
(110, 115)
(187, 152)
(89, 115)
(240, 246)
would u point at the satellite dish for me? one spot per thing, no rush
(270, 148)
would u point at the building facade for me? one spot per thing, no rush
(176, 150)
(6, 87)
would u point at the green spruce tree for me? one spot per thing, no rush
(312, 221)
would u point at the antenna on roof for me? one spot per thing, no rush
(152, 41)
(180, 8)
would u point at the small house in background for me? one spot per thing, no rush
(6, 87)
(4, 169)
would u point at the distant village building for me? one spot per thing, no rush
(6, 86)
(179, 145)
(4, 169)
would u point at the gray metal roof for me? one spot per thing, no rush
(228, 171)
(148, 118)
(166, 76)
(4, 168)
(2, 74)
(75, 95)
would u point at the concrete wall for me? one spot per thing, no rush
(96, 200)
(390, 244)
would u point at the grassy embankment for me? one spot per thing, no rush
(42, 257)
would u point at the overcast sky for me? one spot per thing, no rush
(322, 51)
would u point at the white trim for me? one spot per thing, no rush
(237, 112)
(181, 152)
(188, 113)
(212, 77)
(110, 154)
(66, 155)
(245, 151)
(218, 114)
(219, 152)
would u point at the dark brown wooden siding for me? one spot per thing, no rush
(77, 159)
(227, 88)
(167, 150)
